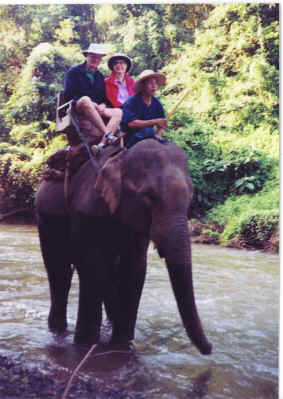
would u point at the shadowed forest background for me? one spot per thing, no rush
(227, 54)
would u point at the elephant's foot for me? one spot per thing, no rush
(83, 340)
(205, 347)
(122, 342)
(57, 324)
(86, 338)
(125, 346)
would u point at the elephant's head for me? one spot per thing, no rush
(149, 189)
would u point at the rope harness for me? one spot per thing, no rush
(81, 136)
(66, 181)
(67, 173)
(75, 124)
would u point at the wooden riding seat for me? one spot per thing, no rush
(67, 117)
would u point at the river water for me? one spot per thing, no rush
(237, 293)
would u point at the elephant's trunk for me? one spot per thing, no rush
(173, 244)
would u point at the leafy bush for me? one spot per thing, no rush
(21, 170)
(34, 98)
(31, 113)
(233, 86)
(249, 219)
(217, 172)
(229, 122)
(21, 151)
(19, 180)
(257, 228)
(211, 236)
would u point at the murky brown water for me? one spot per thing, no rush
(238, 299)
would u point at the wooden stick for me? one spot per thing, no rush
(178, 103)
(82, 362)
(77, 369)
(6, 215)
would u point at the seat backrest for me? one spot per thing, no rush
(60, 98)
(63, 113)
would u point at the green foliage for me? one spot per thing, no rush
(21, 169)
(211, 235)
(19, 179)
(34, 97)
(251, 229)
(150, 33)
(30, 112)
(217, 172)
(241, 171)
(21, 151)
(258, 227)
(233, 86)
(82, 18)
(142, 37)
(245, 214)
(232, 73)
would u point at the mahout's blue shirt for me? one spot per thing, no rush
(135, 108)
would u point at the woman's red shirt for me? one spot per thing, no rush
(112, 89)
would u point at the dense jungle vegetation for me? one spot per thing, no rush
(227, 55)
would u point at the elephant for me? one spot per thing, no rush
(116, 206)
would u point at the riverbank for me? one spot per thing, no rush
(210, 233)
(201, 233)
(18, 381)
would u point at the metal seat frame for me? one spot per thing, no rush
(64, 114)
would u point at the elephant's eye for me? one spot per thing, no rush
(151, 198)
(150, 194)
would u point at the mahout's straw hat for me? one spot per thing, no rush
(161, 79)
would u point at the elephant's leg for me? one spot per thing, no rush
(132, 272)
(54, 242)
(92, 273)
(111, 294)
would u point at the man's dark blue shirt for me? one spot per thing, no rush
(135, 108)
(77, 84)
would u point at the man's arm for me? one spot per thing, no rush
(161, 123)
(71, 91)
(158, 119)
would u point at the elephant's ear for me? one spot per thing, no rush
(108, 184)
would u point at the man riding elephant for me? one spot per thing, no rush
(143, 111)
(84, 84)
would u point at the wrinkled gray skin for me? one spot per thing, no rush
(115, 209)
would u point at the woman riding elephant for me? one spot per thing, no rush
(119, 85)
(114, 209)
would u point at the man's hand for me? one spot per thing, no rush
(159, 132)
(161, 123)
(101, 107)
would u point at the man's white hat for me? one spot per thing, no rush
(160, 77)
(95, 48)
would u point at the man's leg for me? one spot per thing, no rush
(87, 107)
(114, 115)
